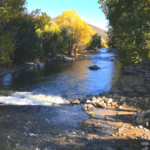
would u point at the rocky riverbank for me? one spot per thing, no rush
(4, 69)
(108, 121)
(127, 109)
(135, 81)
(16, 67)
(128, 117)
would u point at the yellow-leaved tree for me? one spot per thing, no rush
(78, 30)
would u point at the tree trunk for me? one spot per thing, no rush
(69, 50)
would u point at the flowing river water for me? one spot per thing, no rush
(59, 82)
(32, 117)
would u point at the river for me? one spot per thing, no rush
(60, 82)
(37, 114)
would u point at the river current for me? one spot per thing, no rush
(60, 82)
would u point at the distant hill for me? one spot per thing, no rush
(100, 32)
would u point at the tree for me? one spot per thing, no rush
(17, 28)
(54, 39)
(129, 20)
(111, 38)
(8, 10)
(95, 41)
(78, 30)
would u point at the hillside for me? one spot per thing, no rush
(100, 32)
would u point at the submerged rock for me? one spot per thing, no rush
(145, 143)
(94, 67)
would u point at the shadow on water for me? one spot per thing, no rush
(55, 127)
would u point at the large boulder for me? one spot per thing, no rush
(94, 67)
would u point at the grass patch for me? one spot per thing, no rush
(4, 92)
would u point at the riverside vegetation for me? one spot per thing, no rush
(129, 33)
(129, 28)
(33, 36)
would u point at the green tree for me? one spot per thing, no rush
(95, 42)
(129, 20)
(26, 42)
(62, 45)
(21, 27)
(9, 10)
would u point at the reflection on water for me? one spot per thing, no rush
(7, 79)
(66, 80)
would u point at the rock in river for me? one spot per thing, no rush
(94, 67)
(76, 101)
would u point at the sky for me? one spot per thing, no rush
(87, 9)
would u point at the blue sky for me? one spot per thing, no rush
(87, 9)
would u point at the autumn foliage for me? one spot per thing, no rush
(28, 36)
(77, 28)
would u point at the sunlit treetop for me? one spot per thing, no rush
(71, 20)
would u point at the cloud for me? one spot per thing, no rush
(101, 25)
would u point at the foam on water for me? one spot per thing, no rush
(29, 98)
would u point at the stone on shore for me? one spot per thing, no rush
(128, 90)
(123, 99)
(127, 81)
(76, 101)
(112, 91)
(112, 60)
(115, 96)
(82, 100)
(63, 57)
(88, 107)
(94, 67)
(147, 75)
(67, 60)
(106, 94)
(114, 103)
(145, 143)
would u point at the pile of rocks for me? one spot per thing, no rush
(90, 103)
(142, 117)
(108, 100)
(119, 102)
